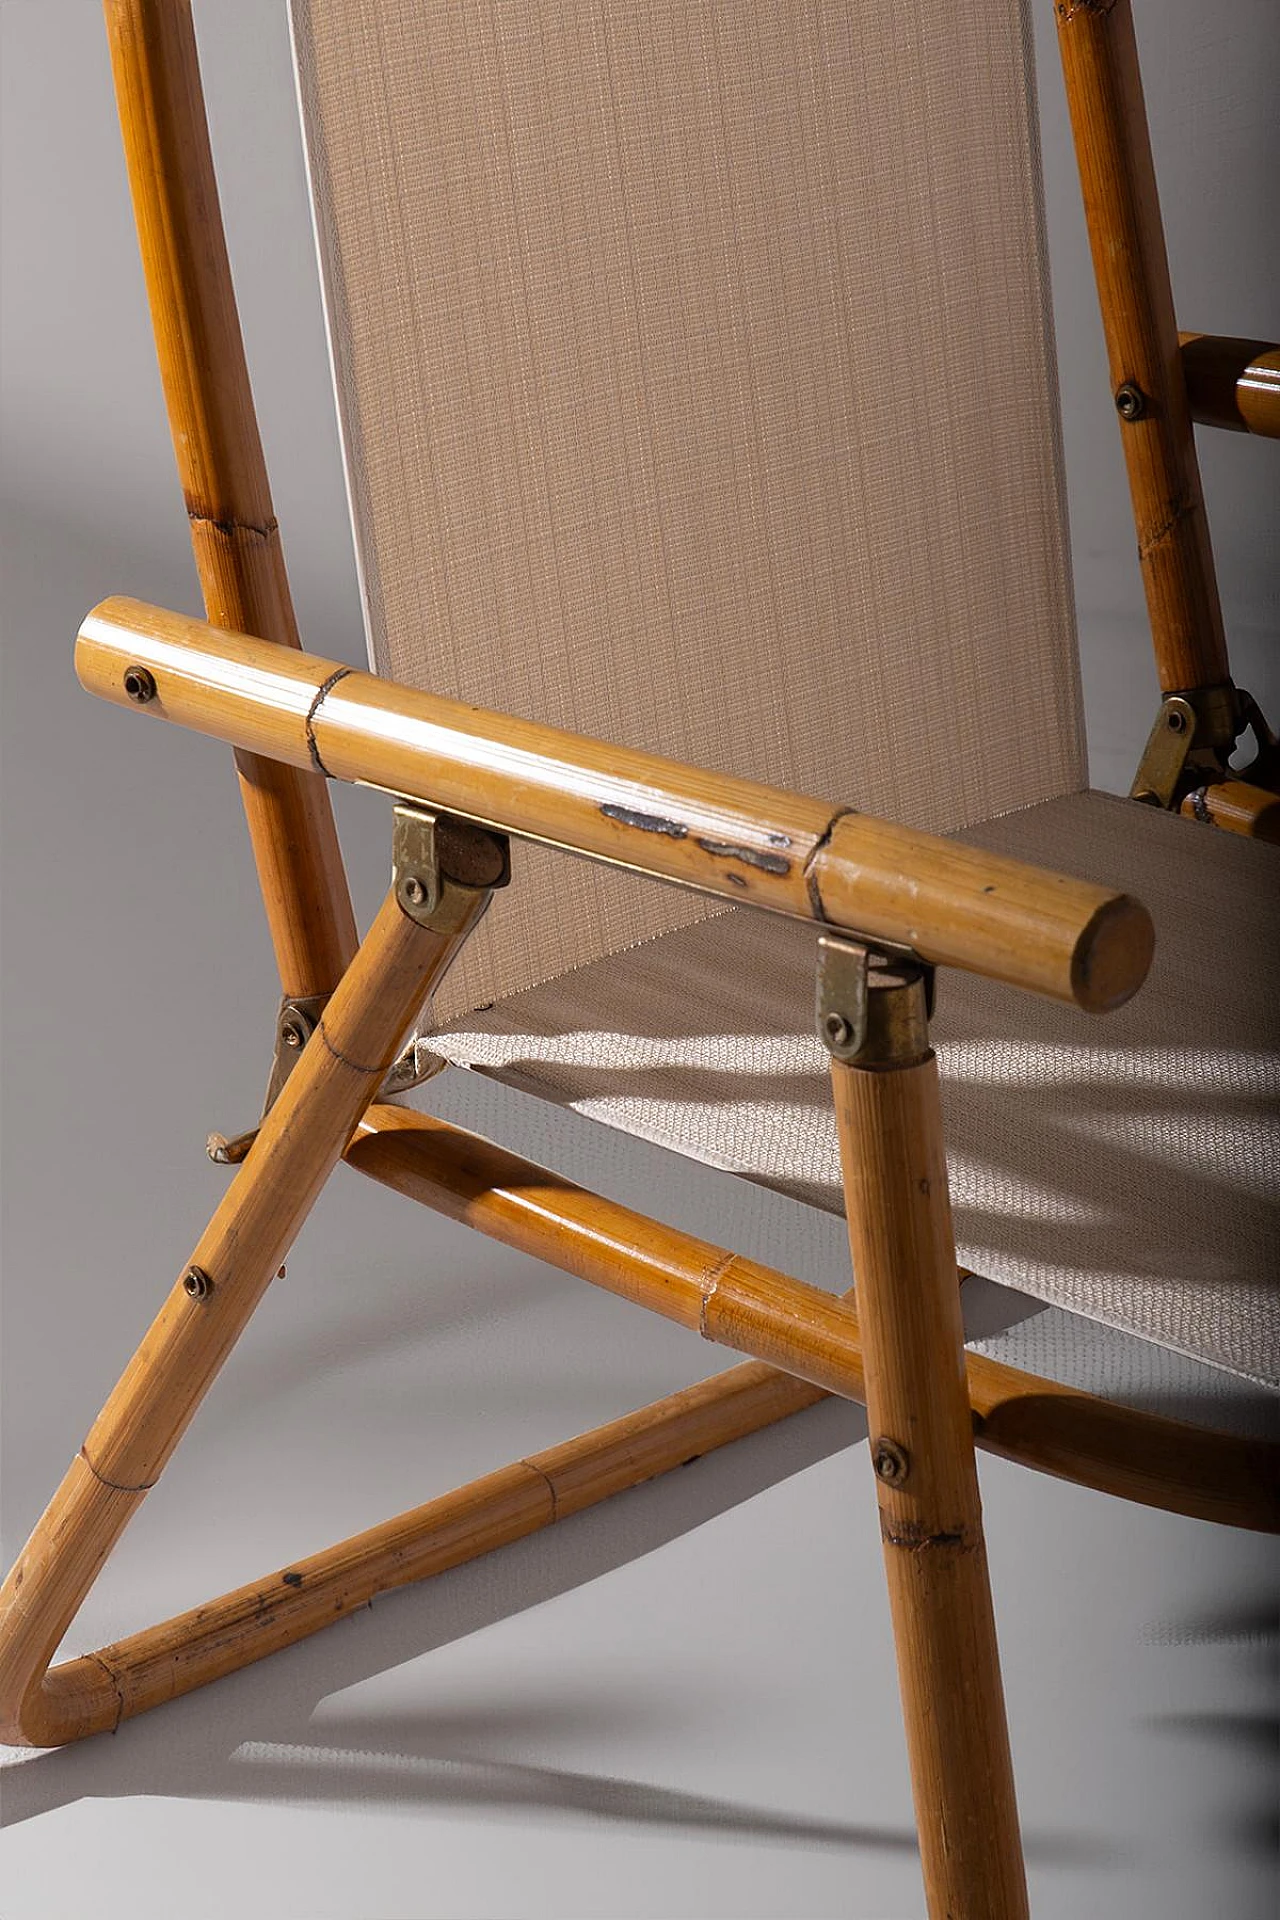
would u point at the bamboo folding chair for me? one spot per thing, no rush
(645, 441)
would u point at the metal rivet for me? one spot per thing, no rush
(891, 1462)
(838, 1030)
(414, 891)
(292, 1034)
(139, 684)
(197, 1283)
(1175, 721)
(1131, 401)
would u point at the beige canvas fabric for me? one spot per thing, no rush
(697, 391)
(1125, 1168)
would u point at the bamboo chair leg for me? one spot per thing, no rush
(242, 1248)
(895, 1176)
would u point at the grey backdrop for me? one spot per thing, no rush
(701, 1721)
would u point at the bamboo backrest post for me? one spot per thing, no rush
(1122, 209)
(921, 1439)
(234, 533)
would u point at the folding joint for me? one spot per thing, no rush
(296, 1021)
(439, 864)
(1192, 739)
(413, 1066)
(874, 1002)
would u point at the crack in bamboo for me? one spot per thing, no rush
(230, 526)
(313, 711)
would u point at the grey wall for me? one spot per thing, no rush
(704, 1721)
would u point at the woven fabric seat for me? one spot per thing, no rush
(624, 314)
(1127, 1169)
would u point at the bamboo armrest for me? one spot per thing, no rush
(754, 844)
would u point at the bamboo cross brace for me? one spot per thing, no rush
(97, 1691)
(754, 1309)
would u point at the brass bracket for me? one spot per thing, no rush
(853, 1004)
(439, 864)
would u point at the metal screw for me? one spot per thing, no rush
(414, 891)
(292, 1034)
(838, 1030)
(139, 684)
(1175, 721)
(891, 1462)
(197, 1283)
(1131, 401)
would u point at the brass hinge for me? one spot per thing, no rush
(1191, 744)
(439, 864)
(849, 971)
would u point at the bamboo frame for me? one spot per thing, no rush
(293, 719)
(784, 1324)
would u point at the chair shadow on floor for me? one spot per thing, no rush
(252, 1737)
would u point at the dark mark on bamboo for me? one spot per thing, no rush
(749, 856)
(915, 1538)
(645, 822)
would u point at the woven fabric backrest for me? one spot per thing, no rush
(697, 388)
